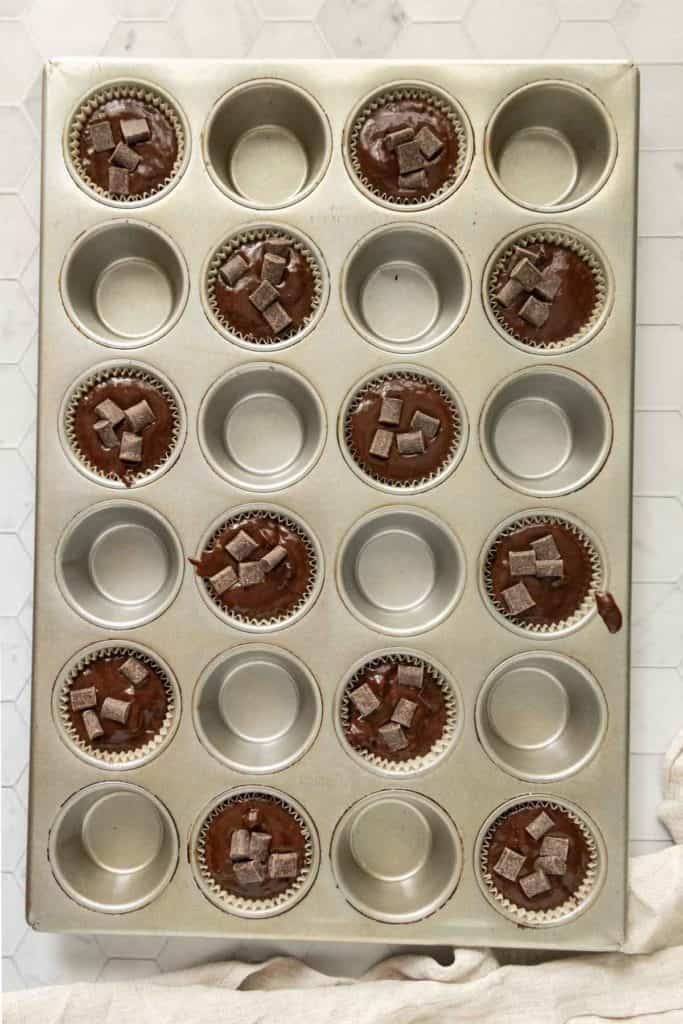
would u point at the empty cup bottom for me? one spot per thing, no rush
(539, 166)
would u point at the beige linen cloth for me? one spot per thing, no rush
(644, 983)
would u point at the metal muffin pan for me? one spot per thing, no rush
(549, 146)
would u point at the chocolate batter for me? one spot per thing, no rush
(296, 292)
(428, 722)
(273, 819)
(572, 307)
(556, 599)
(511, 832)
(125, 392)
(417, 395)
(609, 612)
(282, 588)
(378, 164)
(158, 155)
(146, 716)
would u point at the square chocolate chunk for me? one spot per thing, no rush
(241, 546)
(394, 139)
(429, 426)
(233, 270)
(521, 252)
(548, 286)
(134, 130)
(108, 410)
(131, 447)
(541, 824)
(93, 726)
(535, 312)
(253, 817)
(116, 710)
(283, 865)
(101, 136)
(259, 845)
(106, 434)
(240, 842)
(509, 864)
(535, 884)
(404, 712)
(509, 293)
(390, 411)
(84, 698)
(429, 143)
(549, 567)
(410, 675)
(139, 416)
(263, 296)
(411, 443)
(273, 268)
(124, 156)
(381, 444)
(415, 180)
(277, 317)
(555, 846)
(272, 558)
(522, 563)
(393, 736)
(251, 574)
(278, 245)
(134, 671)
(223, 580)
(119, 181)
(409, 157)
(551, 865)
(518, 599)
(249, 872)
(545, 548)
(364, 700)
(526, 273)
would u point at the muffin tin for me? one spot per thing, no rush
(537, 717)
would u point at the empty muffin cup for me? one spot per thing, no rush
(396, 856)
(550, 146)
(262, 427)
(119, 564)
(400, 570)
(253, 122)
(405, 288)
(257, 708)
(113, 847)
(546, 431)
(541, 716)
(124, 283)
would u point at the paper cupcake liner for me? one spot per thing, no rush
(116, 758)
(576, 902)
(223, 254)
(568, 241)
(595, 585)
(447, 462)
(122, 90)
(313, 561)
(393, 95)
(86, 384)
(440, 747)
(241, 905)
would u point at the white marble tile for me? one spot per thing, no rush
(361, 29)
(18, 147)
(645, 796)
(658, 467)
(33, 102)
(512, 31)
(585, 40)
(145, 39)
(27, 448)
(29, 365)
(15, 658)
(21, 787)
(216, 30)
(587, 10)
(61, 27)
(657, 618)
(20, 63)
(656, 709)
(661, 124)
(23, 704)
(18, 321)
(658, 347)
(13, 922)
(26, 534)
(30, 278)
(17, 406)
(276, 38)
(16, 494)
(448, 41)
(15, 744)
(295, 10)
(657, 540)
(19, 236)
(142, 8)
(13, 829)
(651, 29)
(16, 568)
(660, 266)
(45, 959)
(128, 970)
(642, 847)
(132, 947)
(436, 10)
(11, 980)
(661, 174)
(30, 192)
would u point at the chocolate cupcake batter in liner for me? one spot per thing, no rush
(158, 160)
(152, 718)
(435, 722)
(561, 896)
(567, 315)
(400, 108)
(125, 384)
(291, 830)
(301, 291)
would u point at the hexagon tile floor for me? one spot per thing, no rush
(647, 31)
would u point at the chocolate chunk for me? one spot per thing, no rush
(134, 671)
(522, 563)
(263, 296)
(251, 574)
(108, 410)
(116, 710)
(394, 139)
(131, 447)
(93, 726)
(101, 136)
(273, 268)
(259, 844)
(555, 846)
(84, 698)
(412, 443)
(429, 426)
(535, 884)
(541, 824)
(526, 273)
(381, 444)
(429, 143)
(509, 864)
(509, 293)
(390, 411)
(535, 312)
(277, 317)
(414, 181)
(253, 817)
(549, 567)
(411, 675)
(393, 736)
(404, 712)
(551, 865)
(283, 865)
(106, 434)
(409, 157)
(233, 270)
(139, 416)
(250, 872)
(241, 546)
(134, 130)
(548, 286)
(124, 156)
(223, 580)
(520, 252)
(518, 599)
(545, 548)
(278, 245)
(364, 700)
(119, 181)
(272, 558)
(240, 841)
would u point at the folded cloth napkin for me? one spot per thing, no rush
(643, 984)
